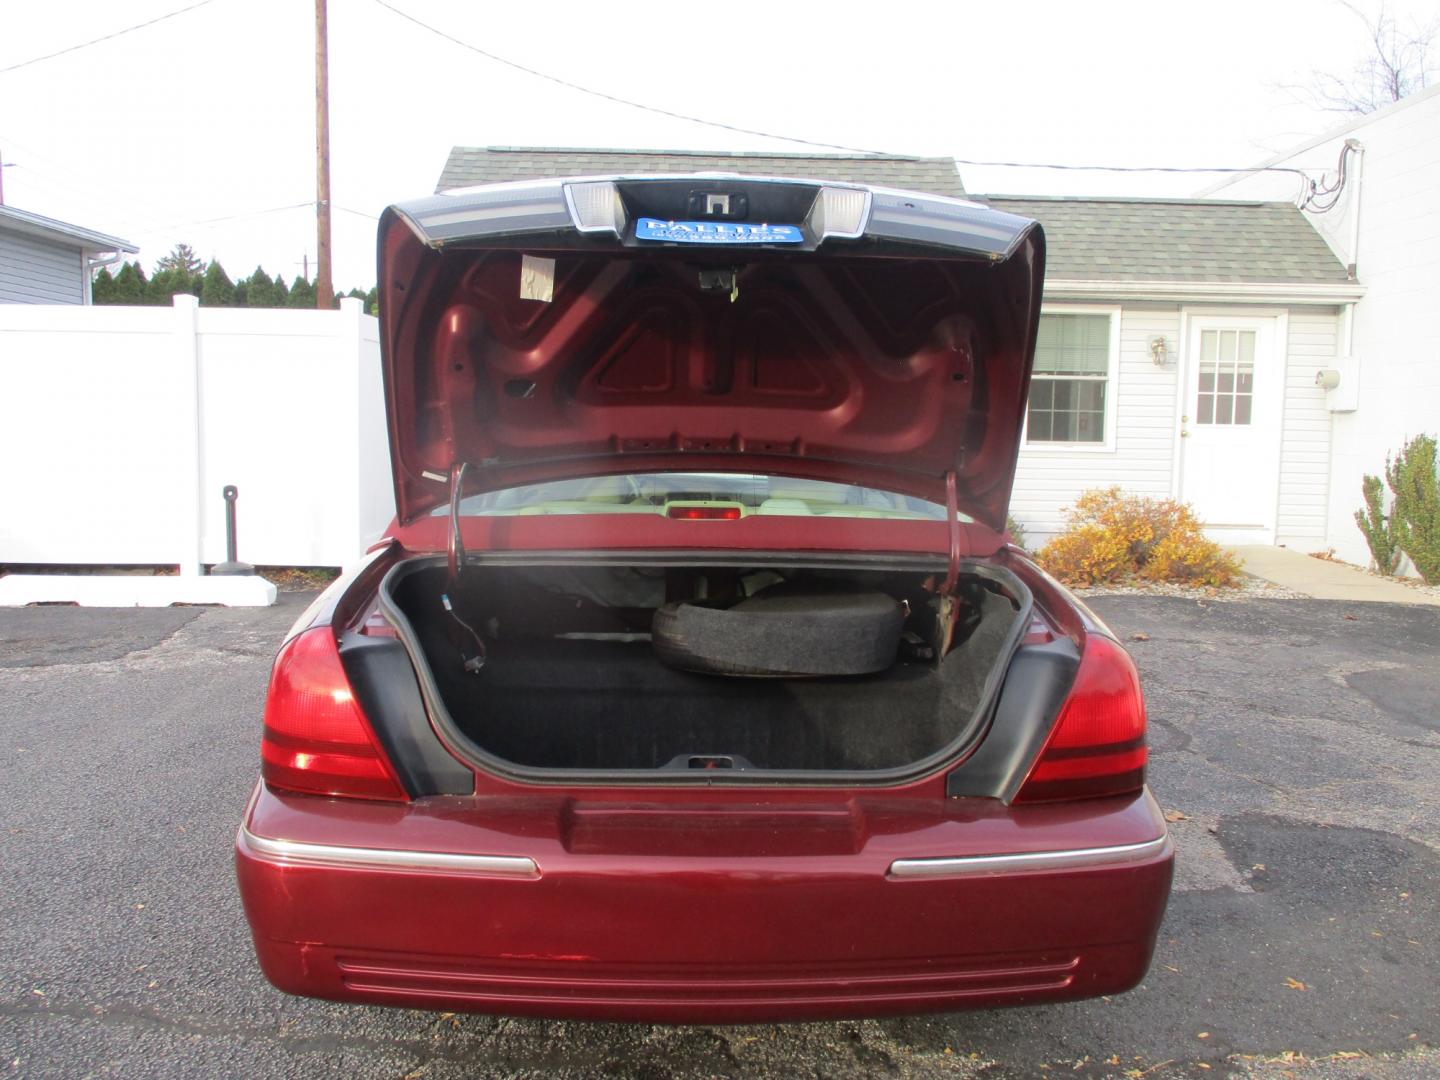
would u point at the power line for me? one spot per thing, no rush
(141, 223)
(106, 37)
(246, 214)
(135, 204)
(1129, 168)
(616, 99)
(151, 224)
(822, 145)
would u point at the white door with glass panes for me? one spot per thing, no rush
(1230, 425)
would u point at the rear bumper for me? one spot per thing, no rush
(640, 913)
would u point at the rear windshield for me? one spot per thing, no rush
(662, 493)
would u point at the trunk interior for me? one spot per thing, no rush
(574, 679)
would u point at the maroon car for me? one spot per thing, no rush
(696, 679)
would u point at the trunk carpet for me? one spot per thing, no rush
(588, 704)
(612, 705)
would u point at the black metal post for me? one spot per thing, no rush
(231, 566)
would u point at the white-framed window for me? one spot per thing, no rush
(1072, 388)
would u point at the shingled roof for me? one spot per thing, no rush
(1190, 240)
(470, 165)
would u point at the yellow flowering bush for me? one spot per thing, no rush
(1111, 536)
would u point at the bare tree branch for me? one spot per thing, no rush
(1397, 64)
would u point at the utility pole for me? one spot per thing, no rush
(324, 286)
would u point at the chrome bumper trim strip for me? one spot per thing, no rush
(1029, 860)
(298, 853)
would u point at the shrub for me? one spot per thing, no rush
(1415, 515)
(1110, 536)
(1379, 530)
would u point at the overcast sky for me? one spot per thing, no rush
(210, 114)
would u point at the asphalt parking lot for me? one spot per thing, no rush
(1299, 739)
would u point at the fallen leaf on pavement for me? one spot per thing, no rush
(1176, 815)
(1295, 984)
(1139, 636)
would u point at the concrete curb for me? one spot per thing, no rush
(98, 590)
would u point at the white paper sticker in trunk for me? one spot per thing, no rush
(537, 278)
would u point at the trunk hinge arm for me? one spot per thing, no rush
(952, 522)
(455, 550)
(472, 649)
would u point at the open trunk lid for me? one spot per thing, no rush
(568, 328)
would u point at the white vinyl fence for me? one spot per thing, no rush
(120, 426)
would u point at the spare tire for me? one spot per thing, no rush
(790, 630)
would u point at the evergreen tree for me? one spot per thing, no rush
(130, 286)
(102, 288)
(167, 284)
(260, 290)
(182, 257)
(372, 300)
(302, 293)
(280, 293)
(217, 290)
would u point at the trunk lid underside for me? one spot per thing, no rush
(536, 351)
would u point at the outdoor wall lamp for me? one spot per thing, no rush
(1158, 350)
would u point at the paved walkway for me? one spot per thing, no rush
(1325, 580)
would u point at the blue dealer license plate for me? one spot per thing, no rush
(716, 232)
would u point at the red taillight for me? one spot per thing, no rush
(316, 738)
(704, 513)
(1097, 746)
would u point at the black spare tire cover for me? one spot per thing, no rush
(794, 629)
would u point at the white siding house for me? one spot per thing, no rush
(1179, 344)
(43, 261)
(1385, 224)
(1220, 314)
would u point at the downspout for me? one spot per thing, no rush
(1347, 317)
(1358, 149)
(1351, 369)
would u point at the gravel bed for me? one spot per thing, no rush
(1248, 588)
